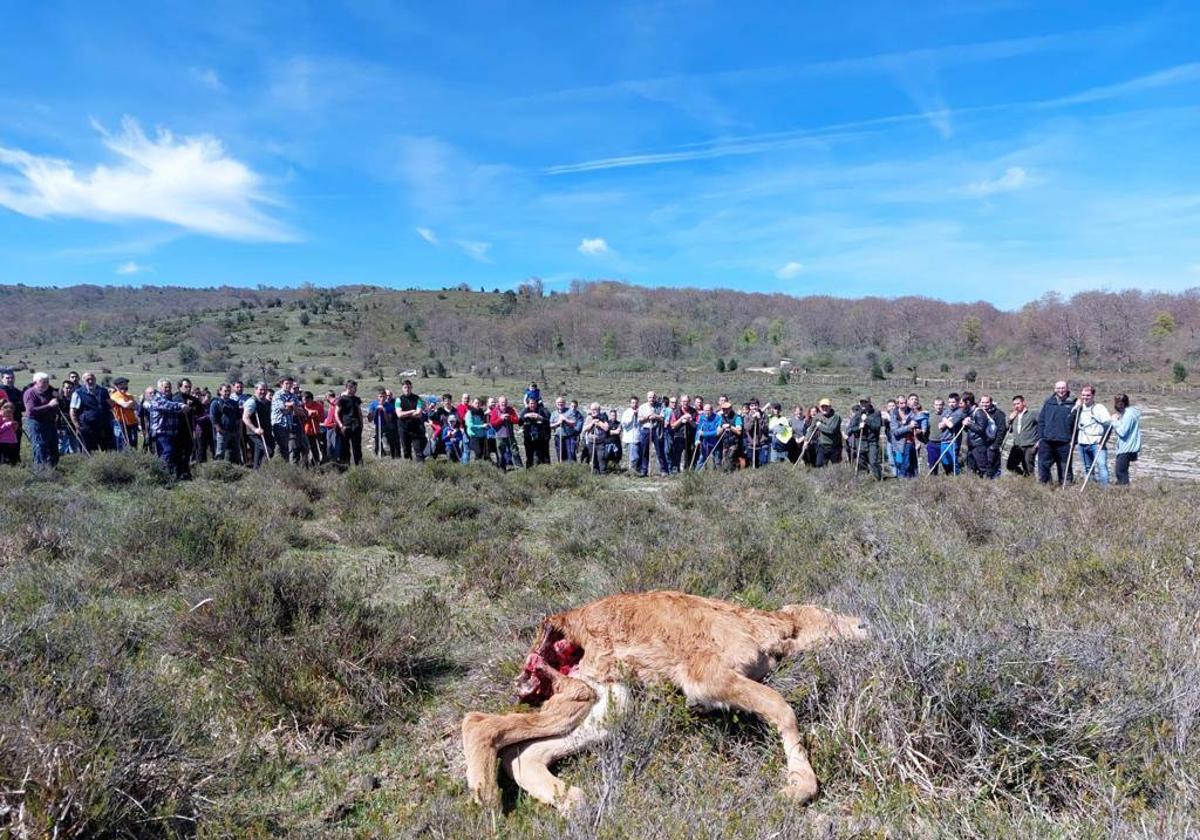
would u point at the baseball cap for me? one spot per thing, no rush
(825, 402)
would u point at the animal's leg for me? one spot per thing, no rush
(529, 763)
(484, 734)
(744, 693)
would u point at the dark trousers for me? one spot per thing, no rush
(97, 438)
(1123, 461)
(537, 451)
(228, 446)
(868, 458)
(260, 451)
(1022, 460)
(828, 455)
(10, 454)
(412, 443)
(175, 454)
(349, 446)
(682, 451)
(979, 459)
(1054, 452)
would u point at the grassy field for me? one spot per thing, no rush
(289, 653)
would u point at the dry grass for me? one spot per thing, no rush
(229, 657)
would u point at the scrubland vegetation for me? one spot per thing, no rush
(289, 653)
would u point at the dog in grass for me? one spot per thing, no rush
(577, 673)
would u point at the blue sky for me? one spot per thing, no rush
(966, 150)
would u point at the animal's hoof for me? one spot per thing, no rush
(486, 797)
(801, 791)
(571, 801)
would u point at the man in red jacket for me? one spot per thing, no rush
(503, 420)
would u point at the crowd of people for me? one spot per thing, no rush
(184, 425)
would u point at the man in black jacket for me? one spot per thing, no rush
(999, 430)
(535, 428)
(1056, 424)
(863, 435)
(12, 394)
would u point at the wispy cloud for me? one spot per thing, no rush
(593, 247)
(129, 268)
(1014, 178)
(1178, 75)
(188, 182)
(478, 251)
(428, 235)
(208, 77)
(790, 270)
(932, 107)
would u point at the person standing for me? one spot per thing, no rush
(10, 392)
(1023, 424)
(999, 429)
(410, 412)
(631, 434)
(91, 415)
(382, 414)
(168, 416)
(595, 437)
(125, 414)
(330, 427)
(1094, 421)
(9, 434)
(564, 424)
(869, 423)
(905, 426)
(226, 417)
(651, 424)
(477, 431)
(256, 418)
(829, 434)
(504, 421)
(781, 432)
(1056, 425)
(314, 415)
(1127, 428)
(535, 429)
(42, 412)
(349, 419)
(682, 428)
(286, 419)
(757, 435)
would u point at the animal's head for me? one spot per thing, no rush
(552, 653)
(815, 624)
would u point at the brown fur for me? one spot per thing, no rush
(714, 651)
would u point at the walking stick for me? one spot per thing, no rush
(942, 452)
(808, 438)
(862, 425)
(71, 428)
(1071, 450)
(708, 457)
(1096, 459)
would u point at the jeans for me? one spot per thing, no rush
(904, 455)
(126, 437)
(1089, 453)
(287, 440)
(228, 446)
(708, 446)
(260, 451)
(564, 447)
(412, 443)
(349, 445)
(174, 455)
(44, 435)
(778, 455)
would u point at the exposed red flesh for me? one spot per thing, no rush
(553, 652)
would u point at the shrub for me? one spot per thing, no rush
(1179, 373)
(720, 365)
(971, 375)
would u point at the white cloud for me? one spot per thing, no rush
(428, 235)
(593, 247)
(208, 78)
(790, 271)
(188, 182)
(131, 267)
(1014, 178)
(477, 251)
